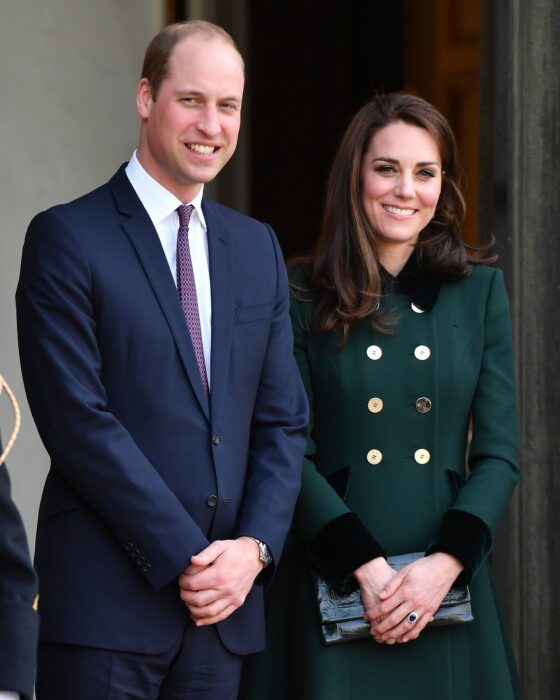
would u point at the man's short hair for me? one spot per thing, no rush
(156, 59)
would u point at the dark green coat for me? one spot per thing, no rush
(394, 479)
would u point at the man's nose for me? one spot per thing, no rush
(209, 122)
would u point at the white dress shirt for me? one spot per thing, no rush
(161, 206)
(8, 695)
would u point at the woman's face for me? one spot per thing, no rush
(401, 183)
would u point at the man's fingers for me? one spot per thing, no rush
(211, 610)
(210, 554)
(203, 621)
(193, 569)
(198, 599)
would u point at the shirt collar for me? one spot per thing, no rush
(158, 201)
(422, 286)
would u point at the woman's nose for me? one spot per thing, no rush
(404, 187)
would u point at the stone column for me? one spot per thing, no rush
(520, 205)
(68, 120)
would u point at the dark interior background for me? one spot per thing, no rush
(311, 66)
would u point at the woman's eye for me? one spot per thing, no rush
(426, 173)
(384, 169)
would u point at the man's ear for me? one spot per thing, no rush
(144, 98)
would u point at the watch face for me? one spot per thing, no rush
(264, 553)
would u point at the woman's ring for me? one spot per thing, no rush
(412, 617)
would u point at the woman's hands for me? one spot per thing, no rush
(373, 577)
(418, 588)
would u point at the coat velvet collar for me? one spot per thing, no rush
(421, 285)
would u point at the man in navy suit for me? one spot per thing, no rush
(175, 448)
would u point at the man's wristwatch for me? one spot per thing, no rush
(264, 552)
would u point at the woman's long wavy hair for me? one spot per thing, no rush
(343, 274)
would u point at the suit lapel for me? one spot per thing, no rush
(219, 249)
(138, 227)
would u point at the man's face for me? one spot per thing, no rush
(190, 131)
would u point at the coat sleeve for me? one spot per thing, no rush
(466, 530)
(323, 521)
(278, 432)
(18, 587)
(89, 447)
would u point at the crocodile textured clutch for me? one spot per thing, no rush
(342, 614)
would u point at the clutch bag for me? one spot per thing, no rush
(342, 614)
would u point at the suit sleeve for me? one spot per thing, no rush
(323, 521)
(62, 370)
(18, 587)
(466, 530)
(278, 431)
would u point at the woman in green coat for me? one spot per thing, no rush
(403, 341)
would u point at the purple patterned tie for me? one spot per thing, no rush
(187, 289)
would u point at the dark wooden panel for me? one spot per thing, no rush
(441, 64)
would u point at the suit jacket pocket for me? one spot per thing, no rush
(248, 314)
(59, 497)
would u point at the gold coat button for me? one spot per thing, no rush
(375, 405)
(416, 309)
(422, 456)
(423, 404)
(374, 456)
(422, 352)
(374, 352)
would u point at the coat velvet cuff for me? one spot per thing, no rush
(465, 537)
(340, 547)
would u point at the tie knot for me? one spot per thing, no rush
(185, 211)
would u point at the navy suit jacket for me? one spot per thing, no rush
(145, 470)
(18, 587)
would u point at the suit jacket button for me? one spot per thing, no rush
(212, 500)
(375, 405)
(216, 439)
(423, 404)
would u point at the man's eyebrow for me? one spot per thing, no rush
(198, 93)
